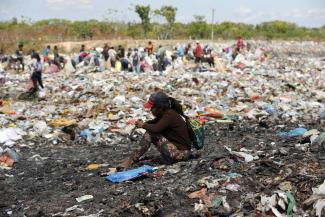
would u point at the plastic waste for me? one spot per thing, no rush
(293, 133)
(119, 100)
(291, 204)
(209, 182)
(198, 194)
(270, 110)
(84, 198)
(311, 133)
(9, 136)
(319, 206)
(218, 202)
(233, 187)
(12, 154)
(98, 214)
(85, 133)
(320, 140)
(41, 128)
(233, 175)
(247, 157)
(61, 122)
(130, 174)
(93, 166)
(5, 160)
(317, 199)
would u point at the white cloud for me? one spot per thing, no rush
(247, 15)
(243, 11)
(63, 4)
(317, 13)
(3, 10)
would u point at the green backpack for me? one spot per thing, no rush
(196, 132)
(194, 127)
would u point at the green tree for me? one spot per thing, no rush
(169, 13)
(81, 29)
(277, 29)
(14, 21)
(198, 28)
(229, 29)
(143, 12)
(134, 30)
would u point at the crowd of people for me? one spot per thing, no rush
(138, 59)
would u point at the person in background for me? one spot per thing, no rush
(168, 131)
(95, 56)
(56, 52)
(210, 57)
(20, 55)
(2, 76)
(198, 52)
(125, 63)
(180, 52)
(120, 51)
(46, 53)
(57, 58)
(105, 52)
(82, 53)
(235, 53)
(112, 55)
(161, 57)
(3, 57)
(82, 48)
(37, 74)
(150, 48)
(188, 52)
(135, 61)
(240, 43)
(129, 53)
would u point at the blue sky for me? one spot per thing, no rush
(310, 13)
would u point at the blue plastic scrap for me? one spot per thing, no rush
(130, 174)
(293, 133)
(270, 110)
(85, 133)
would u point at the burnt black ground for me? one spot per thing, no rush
(49, 187)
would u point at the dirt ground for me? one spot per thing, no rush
(47, 187)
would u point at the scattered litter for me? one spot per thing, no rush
(84, 198)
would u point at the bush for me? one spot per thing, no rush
(54, 30)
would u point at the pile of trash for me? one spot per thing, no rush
(282, 93)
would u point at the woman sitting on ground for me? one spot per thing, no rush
(168, 132)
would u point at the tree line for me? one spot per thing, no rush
(57, 30)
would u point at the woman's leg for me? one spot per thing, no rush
(143, 147)
(170, 152)
(35, 80)
(39, 79)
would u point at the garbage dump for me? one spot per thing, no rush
(262, 111)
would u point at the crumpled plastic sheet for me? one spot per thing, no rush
(293, 133)
(9, 136)
(130, 174)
